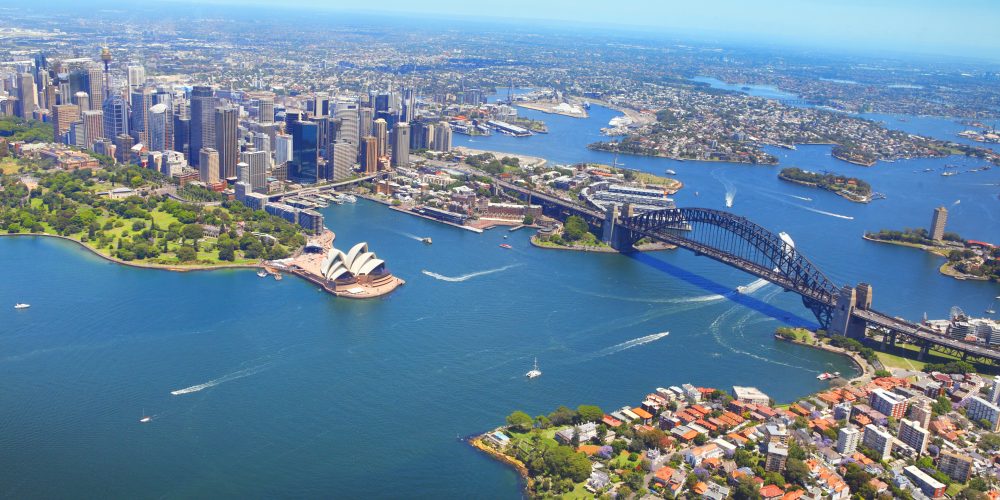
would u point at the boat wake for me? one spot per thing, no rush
(824, 212)
(411, 236)
(753, 286)
(631, 343)
(246, 372)
(730, 187)
(465, 277)
(803, 198)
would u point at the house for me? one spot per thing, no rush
(565, 436)
(716, 492)
(663, 475)
(599, 480)
(696, 455)
(771, 492)
(498, 438)
(586, 431)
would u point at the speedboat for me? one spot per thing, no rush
(21, 306)
(427, 241)
(504, 245)
(262, 274)
(535, 372)
(145, 418)
(671, 172)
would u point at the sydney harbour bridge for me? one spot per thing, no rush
(739, 242)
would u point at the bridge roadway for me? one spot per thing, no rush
(324, 187)
(924, 334)
(552, 200)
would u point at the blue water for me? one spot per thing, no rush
(302, 394)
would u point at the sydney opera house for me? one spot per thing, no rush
(359, 273)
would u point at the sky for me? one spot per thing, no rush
(945, 27)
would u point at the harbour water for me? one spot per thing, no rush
(284, 390)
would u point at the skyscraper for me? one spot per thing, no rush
(265, 109)
(26, 95)
(380, 131)
(123, 148)
(401, 145)
(136, 76)
(262, 142)
(442, 137)
(938, 222)
(304, 166)
(369, 155)
(365, 116)
(283, 148)
(93, 127)
(208, 165)
(142, 100)
(343, 160)
(347, 113)
(226, 129)
(82, 101)
(202, 121)
(167, 100)
(115, 115)
(157, 134)
(62, 116)
(95, 86)
(257, 163)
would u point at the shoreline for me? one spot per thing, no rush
(139, 265)
(592, 147)
(945, 269)
(651, 247)
(859, 362)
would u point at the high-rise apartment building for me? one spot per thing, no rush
(380, 129)
(888, 403)
(257, 164)
(62, 116)
(847, 440)
(938, 222)
(977, 409)
(282, 148)
(879, 440)
(958, 467)
(442, 137)
(913, 435)
(93, 127)
(344, 154)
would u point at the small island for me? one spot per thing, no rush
(851, 188)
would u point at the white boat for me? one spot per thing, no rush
(671, 172)
(262, 274)
(535, 372)
(427, 240)
(21, 306)
(350, 198)
(145, 418)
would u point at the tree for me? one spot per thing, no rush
(797, 472)
(574, 228)
(528, 220)
(186, 254)
(227, 253)
(589, 413)
(882, 373)
(941, 406)
(519, 421)
(193, 232)
(746, 489)
(700, 439)
(562, 416)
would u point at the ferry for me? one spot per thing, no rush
(671, 171)
(262, 274)
(427, 241)
(535, 372)
(504, 245)
(21, 306)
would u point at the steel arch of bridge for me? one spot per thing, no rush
(738, 242)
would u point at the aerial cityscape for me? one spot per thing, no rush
(258, 249)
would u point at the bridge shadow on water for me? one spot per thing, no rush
(746, 300)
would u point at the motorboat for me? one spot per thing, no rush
(671, 172)
(504, 245)
(21, 306)
(427, 241)
(535, 372)
(262, 274)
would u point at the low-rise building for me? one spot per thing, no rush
(927, 484)
(750, 395)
